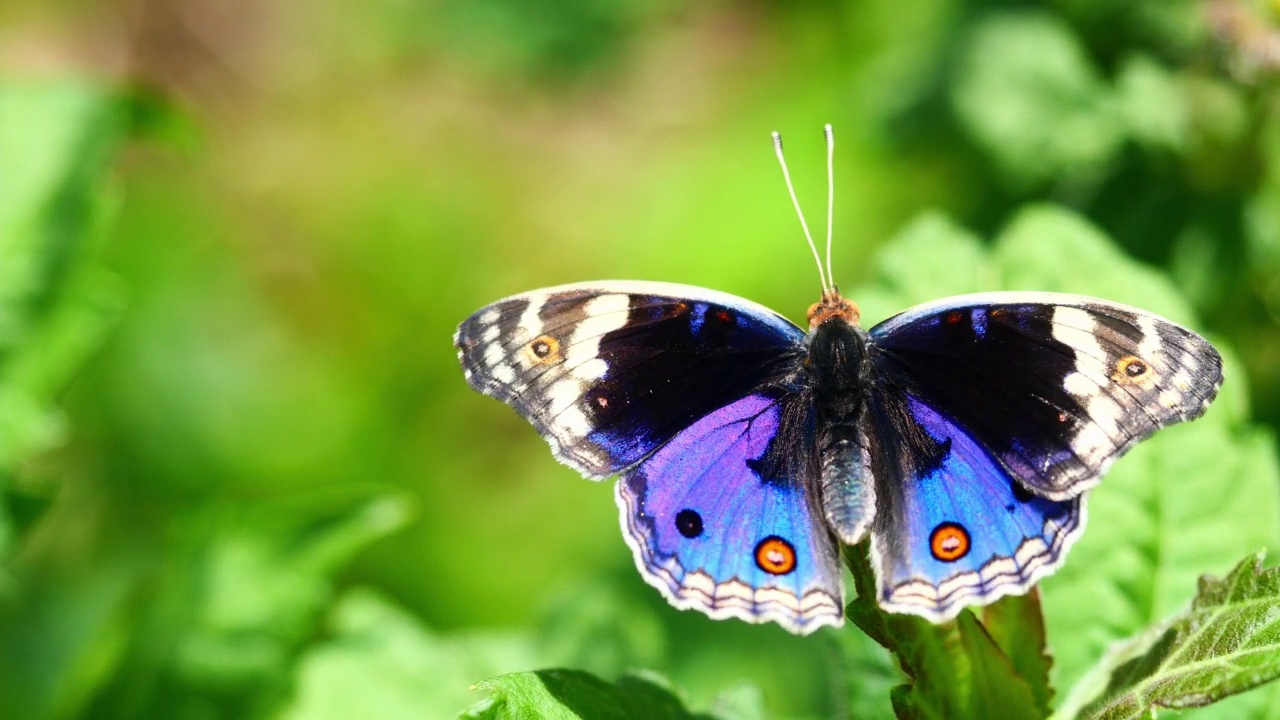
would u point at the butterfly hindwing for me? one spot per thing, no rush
(721, 518)
(953, 528)
(607, 372)
(1054, 386)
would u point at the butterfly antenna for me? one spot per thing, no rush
(777, 146)
(831, 193)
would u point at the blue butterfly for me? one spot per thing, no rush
(961, 436)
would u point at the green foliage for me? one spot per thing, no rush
(262, 584)
(556, 38)
(1226, 643)
(1016, 625)
(378, 661)
(957, 670)
(995, 688)
(571, 694)
(56, 301)
(1027, 92)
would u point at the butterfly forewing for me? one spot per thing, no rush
(1055, 387)
(608, 372)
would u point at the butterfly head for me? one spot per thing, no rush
(833, 306)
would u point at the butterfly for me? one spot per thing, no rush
(961, 436)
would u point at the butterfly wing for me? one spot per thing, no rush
(1055, 387)
(989, 419)
(952, 527)
(685, 392)
(607, 372)
(720, 518)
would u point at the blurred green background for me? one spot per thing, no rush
(242, 475)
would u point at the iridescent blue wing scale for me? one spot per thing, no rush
(721, 519)
(990, 418)
(956, 529)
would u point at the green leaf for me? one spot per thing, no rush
(1153, 105)
(743, 702)
(55, 301)
(57, 141)
(1228, 642)
(928, 654)
(1016, 624)
(955, 670)
(866, 673)
(262, 584)
(600, 629)
(573, 695)
(995, 688)
(1026, 93)
(380, 662)
(931, 257)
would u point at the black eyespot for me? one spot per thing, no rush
(689, 523)
(1135, 368)
(1022, 494)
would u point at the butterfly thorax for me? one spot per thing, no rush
(837, 369)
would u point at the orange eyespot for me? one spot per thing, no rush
(545, 349)
(1133, 370)
(954, 317)
(949, 542)
(775, 556)
(1131, 367)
